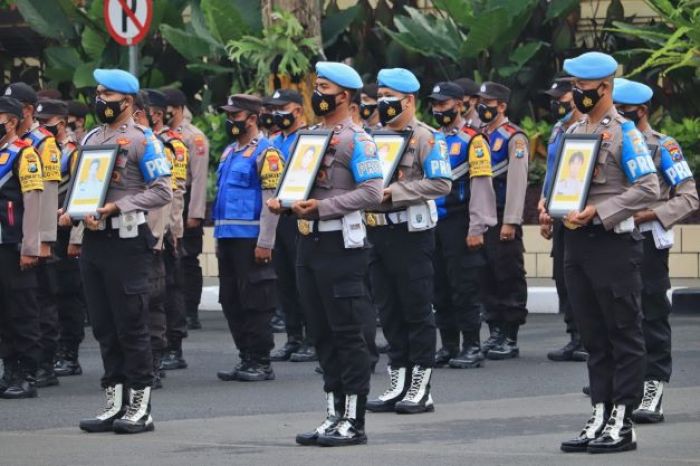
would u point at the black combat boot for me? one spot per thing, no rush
(305, 353)
(398, 385)
(22, 384)
(418, 398)
(450, 347)
(350, 430)
(46, 376)
(650, 410)
(507, 346)
(334, 406)
(590, 432)
(495, 337)
(471, 355)
(9, 366)
(173, 358)
(618, 434)
(137, 417)
(257, 371)
(286, 351)
(572, 351)
(115, 408)
(245, 361)
(67, 364)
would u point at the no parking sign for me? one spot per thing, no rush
(128, 21)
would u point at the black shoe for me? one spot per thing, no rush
(443, 356)
(228, 376)
(418, 398)
(494, 338)
(590, 432)
(137, 417)
(256, 372)
(21, 386)
(66, 367)
(618, 434)
(566, 353)
(173, 360)
(382, 348)
(114, 409)
(398, 385)
(46, 377)
(350, 430)
(193, 323)
(650, 410)
(305, 353)
(333, 408)
(586, 390)
(157, 382)
(471, 357)
(286, 351)
(507, 346)
(8, 370)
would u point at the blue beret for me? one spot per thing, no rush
(627, 92)
(591, 65)
(117, 80)
(398, 79)
(339, 73)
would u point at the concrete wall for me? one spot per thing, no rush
(684, 261)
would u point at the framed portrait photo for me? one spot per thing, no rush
(90, 181)
(390, 147)
(302, 166)
(572, 178)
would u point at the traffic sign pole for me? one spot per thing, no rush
(134, 59)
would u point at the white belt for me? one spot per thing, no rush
(306, 227)
(140, 219)
(379, 219)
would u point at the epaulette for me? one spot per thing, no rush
(511, 128)
(469, 130)
(21, 143)
(428, 127)
(92, 131)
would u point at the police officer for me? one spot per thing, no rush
(195, 201)
(21, 184)
(115, 260)
(332, 259)
(563, 110)
(464, 216)
(679, 198)
(245, 232)
(401, 230)
(368, 107)
(77, 111)
(604, 255)
(267, 122)
(470, 115)
(179, 157)
(288, 115)
(505, 288)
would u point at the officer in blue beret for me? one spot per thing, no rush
(678, 199)
(401, 230)
(117, 254)
(332, 256)
(603, 256)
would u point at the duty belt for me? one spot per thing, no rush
(139, 218)
(306, 227)
(380, 219)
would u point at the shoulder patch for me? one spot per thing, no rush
(520, 147)
(674, 167)
(636, 160)
(30, 173)
(479, 157)
(271, 169)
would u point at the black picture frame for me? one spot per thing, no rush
(87, 154)
(386, 137)
(560, 202)
(319, 140)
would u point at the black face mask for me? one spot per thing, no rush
(367, 110)
(266, 120)
(389, 110)
(466, 106)
(53, 129)
(283, 120)
(559, 109)
(3, 130)
(486, 113)
(586, 101)
(445, 118)
(107, 112)
(235, 129)
(323, 104)
(630, 115)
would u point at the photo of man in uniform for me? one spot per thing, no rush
(572, 184)
(91, 181)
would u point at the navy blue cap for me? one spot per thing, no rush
(117, 80)
(77, 109)
(370, 90)
(494, 91)
(447, 90)
(174, 97)
(22, 92)
(11, 105)
(47, 108)
(626, 92)
(156, 98)
(283, 97)
(591, 65)
(559, 87)
(469, 86)
(398, 79)
(339, 73)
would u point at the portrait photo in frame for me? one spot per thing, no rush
(576, 162)
(90, 181)
(302, 166)
(390, 148)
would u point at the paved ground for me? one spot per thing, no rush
(510, 413)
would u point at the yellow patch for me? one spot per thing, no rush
(4, 157)
(497, 145)
(180, 160)
(454, 148)
(30, 173)
(271, 170)
(479, 157)
(51, 160)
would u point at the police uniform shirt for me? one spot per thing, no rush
(69, 162)
(141, 179)
(516, 179)
(178, 156)
(50, 156)
(471, 119)
(620, 185)
(350, 177)
(678, 194)
(27, 168)
(197, 169)
(424, 172)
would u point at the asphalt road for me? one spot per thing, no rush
(510, 412)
